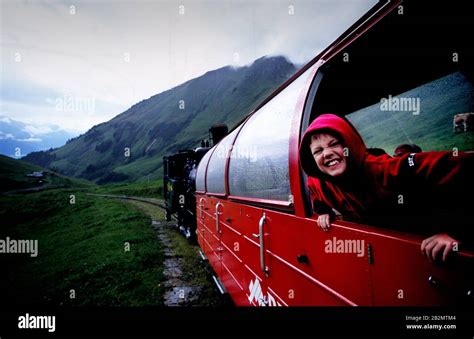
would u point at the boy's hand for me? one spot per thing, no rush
(324, 221)
(433, 246)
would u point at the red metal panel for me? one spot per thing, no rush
(292, 287)
(211, 238)
(287, 279)
(232, 263)
(244, 220)
(339, 260)
(395, 274)
(403, 276)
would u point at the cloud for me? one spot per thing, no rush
(37, 130)
(118, 53)
(30, 140)
(4, 136)
(72, 121)
(25, 90)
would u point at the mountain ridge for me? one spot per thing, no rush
(166, 122)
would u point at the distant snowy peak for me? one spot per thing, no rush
(18, 138)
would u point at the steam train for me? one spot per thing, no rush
(179, 178)
(249, 205)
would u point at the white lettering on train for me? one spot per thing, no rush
(256, 294)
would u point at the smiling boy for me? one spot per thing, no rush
(328, 153)
(343, 177)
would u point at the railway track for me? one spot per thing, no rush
(187, 276)
(157, 202)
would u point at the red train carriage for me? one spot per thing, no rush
(255, 222)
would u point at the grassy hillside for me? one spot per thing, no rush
(432, 129)
(165, 123)
(13, 176)
(152, 189)
(81, 247)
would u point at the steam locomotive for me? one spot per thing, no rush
(179, 181)
(251, 209)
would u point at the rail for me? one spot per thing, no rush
(151, 201)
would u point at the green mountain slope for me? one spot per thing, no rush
(432, 129)
(13, 176)
(175, 119)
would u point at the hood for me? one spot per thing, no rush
(347, 133)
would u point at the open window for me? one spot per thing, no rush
(434, 116)
(403, 82)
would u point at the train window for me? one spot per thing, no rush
(216, 168)
(425, 116)
(259, 160)
(200, 187)
(397, 91)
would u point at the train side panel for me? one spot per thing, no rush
(260, 234)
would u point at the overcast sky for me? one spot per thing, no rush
(78, 63)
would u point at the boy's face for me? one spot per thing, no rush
(328, 152)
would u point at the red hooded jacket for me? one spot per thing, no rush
(382, 190)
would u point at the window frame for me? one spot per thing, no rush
(211, 151)
(283, 206)
(297, 178)
(309, 116)
(226, 165)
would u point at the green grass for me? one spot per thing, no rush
(152, 189)
(432, 129)
(195, 271)
(13, 176)
(143, 169)
(81, 248)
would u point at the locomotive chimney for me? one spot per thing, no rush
(218, 132)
